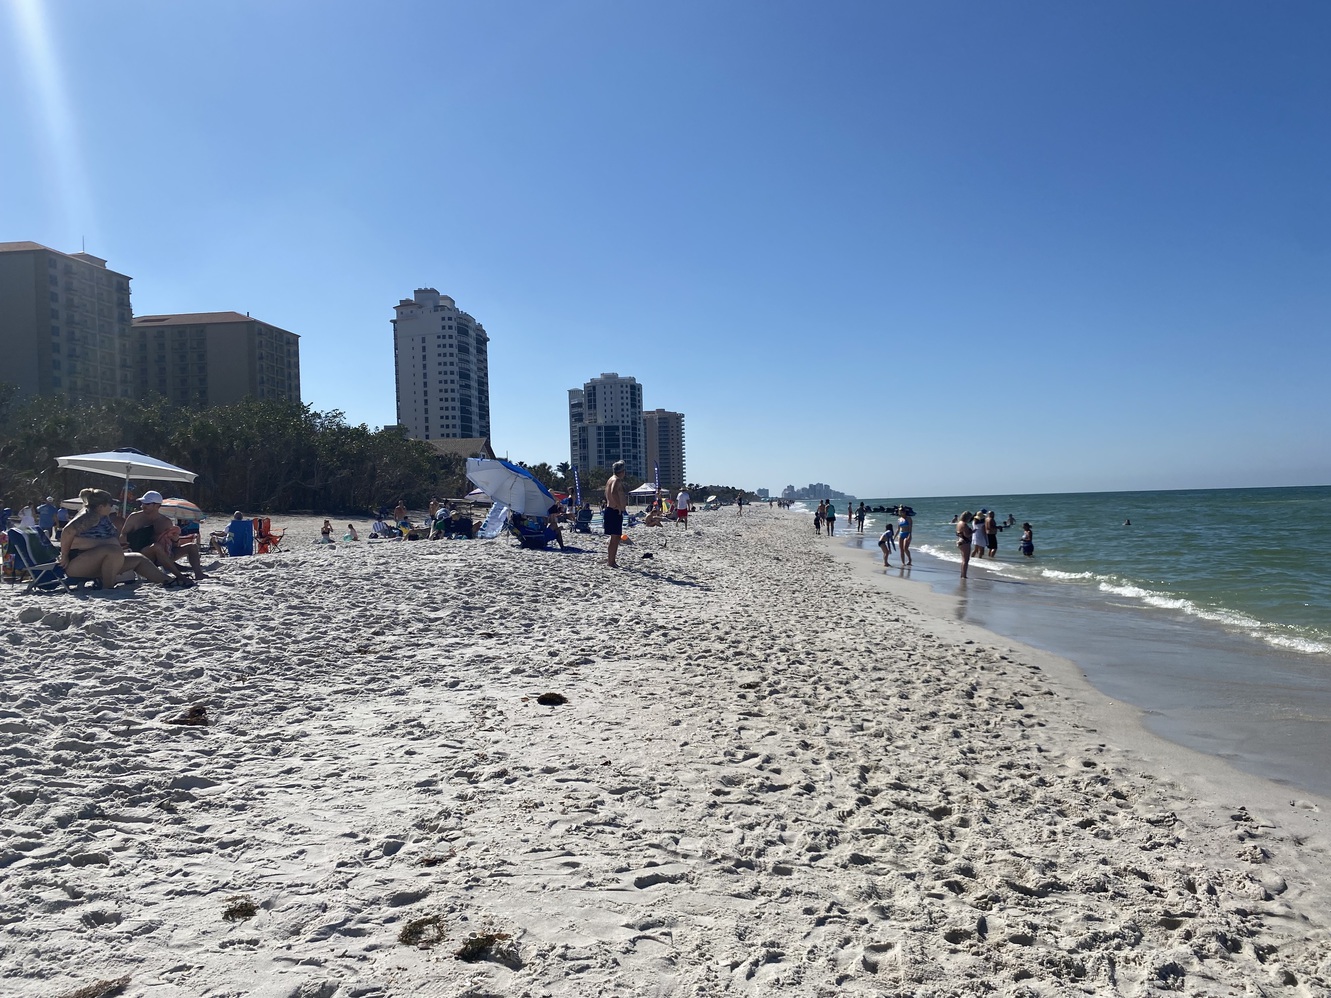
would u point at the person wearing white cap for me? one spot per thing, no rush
(46, 516)
(151, 533)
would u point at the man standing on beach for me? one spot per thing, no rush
(682, 508)
(616, 503)
(46, 516)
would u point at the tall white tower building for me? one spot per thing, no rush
(605, 424)
(443, 368)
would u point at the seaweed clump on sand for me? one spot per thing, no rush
(99, 989)
(239, 908)
(496, 946)
(423, 932)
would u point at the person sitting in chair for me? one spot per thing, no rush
(90, 545)
(460, 526)
(148, 531)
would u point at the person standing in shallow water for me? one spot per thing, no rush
(885, 543)
(978, 542)
(904, 526)
(1027, 540)
(859, 519)
(964, 540)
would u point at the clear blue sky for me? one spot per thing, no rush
(903, 248)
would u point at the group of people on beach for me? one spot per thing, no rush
(442, 520)
(977, 534)
(898, 537)
(99, 543)
(825, 516)
(49, 517)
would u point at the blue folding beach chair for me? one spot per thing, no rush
(36, 557)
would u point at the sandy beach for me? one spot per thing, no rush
(773, 771)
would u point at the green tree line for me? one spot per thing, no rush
(258, 456)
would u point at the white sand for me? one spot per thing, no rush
(771, 776)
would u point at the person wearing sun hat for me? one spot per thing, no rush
(152, 534)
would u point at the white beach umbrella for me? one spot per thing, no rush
(125, 463)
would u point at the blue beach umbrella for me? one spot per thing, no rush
(514, 487)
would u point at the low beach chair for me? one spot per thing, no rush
(36, 557)
(269, 542)
(583, 523)
(239, 540)
(531, 532)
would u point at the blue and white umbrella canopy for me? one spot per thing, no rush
(510, 485)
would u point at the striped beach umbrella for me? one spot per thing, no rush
(182, 509)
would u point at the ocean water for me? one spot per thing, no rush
(1211, 610)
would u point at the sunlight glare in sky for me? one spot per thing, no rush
(50, 110)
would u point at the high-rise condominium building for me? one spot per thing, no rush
(202, 359)
(443, 368)
(64, 324)
(605, 424)
(663, 443)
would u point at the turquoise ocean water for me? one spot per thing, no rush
(1211, 611)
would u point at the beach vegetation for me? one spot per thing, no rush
(258, 455)
(723, 493)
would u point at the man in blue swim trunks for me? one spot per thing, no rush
(616, 503)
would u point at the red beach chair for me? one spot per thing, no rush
(269, 542)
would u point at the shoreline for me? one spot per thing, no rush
(1266, 711)
(771, 773)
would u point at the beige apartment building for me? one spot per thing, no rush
(663, 443)
(203, 359)
(64, 324)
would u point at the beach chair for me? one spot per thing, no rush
(36, 557)
(239, 540)
(531, 532)
(583, 523)
(269, 542)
